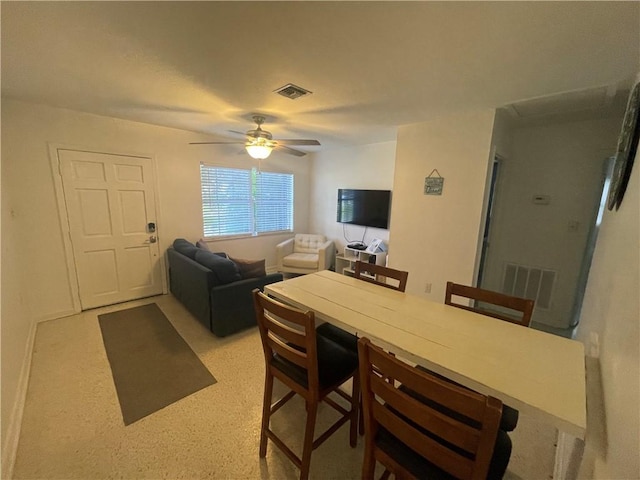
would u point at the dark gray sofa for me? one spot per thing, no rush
(224, 308)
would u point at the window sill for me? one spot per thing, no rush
(245, 236)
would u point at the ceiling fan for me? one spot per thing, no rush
(260, 143)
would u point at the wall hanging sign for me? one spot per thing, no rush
(433, 184)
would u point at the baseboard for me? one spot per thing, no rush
(54, 316)
(10, 447)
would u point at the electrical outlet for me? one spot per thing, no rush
(427, 287)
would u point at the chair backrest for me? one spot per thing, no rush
(372, 273)
(308, 242)
(481, 297)
(288, 333)
(449, 426)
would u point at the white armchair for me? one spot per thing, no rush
(305, 253)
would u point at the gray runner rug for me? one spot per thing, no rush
(151, 364)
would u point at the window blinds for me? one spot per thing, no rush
(245, 202)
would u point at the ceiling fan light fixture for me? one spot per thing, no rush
(259, 143)
(258, 151)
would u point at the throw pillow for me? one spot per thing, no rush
(224, 269)
(250, 268)
(185, 247)
(203, 245)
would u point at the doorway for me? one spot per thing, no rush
(607, 173)
(495, 169)
(524, 249)
(109, 206)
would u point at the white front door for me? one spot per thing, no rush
(110, 202)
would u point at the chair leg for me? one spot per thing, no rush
(356, 405)
(369, 463)
(307, 446)
(266, 412)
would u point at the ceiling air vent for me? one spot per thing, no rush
(292, 91)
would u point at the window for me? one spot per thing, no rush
(245, 202)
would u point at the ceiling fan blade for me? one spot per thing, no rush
(216, 143)
(290, 151)
(239, 133)
(298, 142)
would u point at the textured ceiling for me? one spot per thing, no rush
(207, 66)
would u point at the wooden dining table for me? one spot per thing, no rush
(539, 374)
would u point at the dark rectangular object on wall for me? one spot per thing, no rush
(369, 208)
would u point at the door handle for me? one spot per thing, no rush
(152, 239)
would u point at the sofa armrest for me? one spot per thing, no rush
(190, 282)
(232, 304)
(326, 255)
(282, 250)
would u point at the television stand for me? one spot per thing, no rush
(346, 263)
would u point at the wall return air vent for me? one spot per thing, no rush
(529, 282)
(292, 91)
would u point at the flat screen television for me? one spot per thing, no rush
(369, 208)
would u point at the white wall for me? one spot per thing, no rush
(611, 310)
(435, 238)
(35, 284)
(502, 134)
(366, 167)
(564, 161)
(17, 325)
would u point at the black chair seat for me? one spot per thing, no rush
(509, 419)
(339, 336)
(334, 363)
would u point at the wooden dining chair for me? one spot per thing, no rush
(310, 366)
(378, 274)
(519, 311)
(425, 427)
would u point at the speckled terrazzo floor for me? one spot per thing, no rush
(73, 429)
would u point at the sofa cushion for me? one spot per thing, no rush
(185, 247)
(308, 242)
(250, 268)
(203, 245)
(301, 260)
(223, 269)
